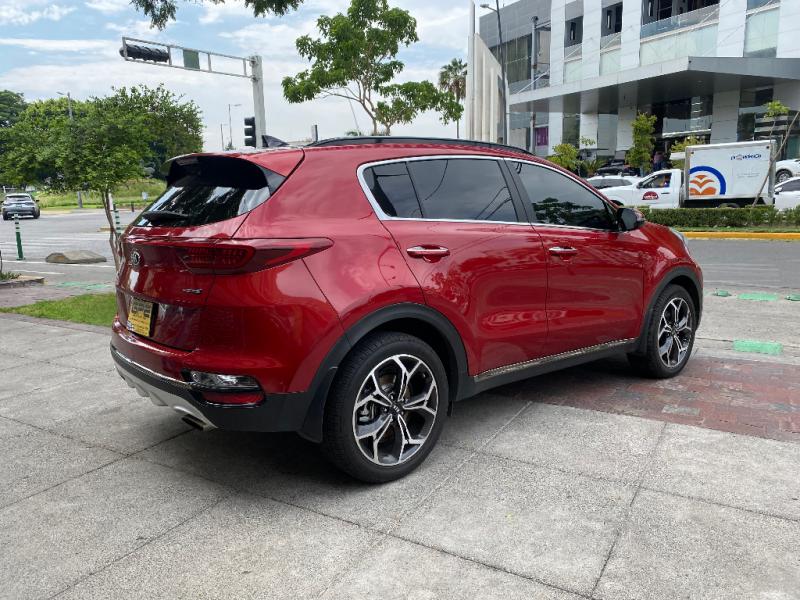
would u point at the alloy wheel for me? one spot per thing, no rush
(675, 332)
(395, 410)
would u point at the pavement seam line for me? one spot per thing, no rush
(191, 517)
(388, 532)
(628, 509)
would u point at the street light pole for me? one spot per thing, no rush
(230, 125)
(71, 120)
(502, 67)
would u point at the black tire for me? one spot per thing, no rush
(6, 217)
(37, 215)
(782, 176)
(339, 440)
(651, 363)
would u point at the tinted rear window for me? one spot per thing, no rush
(209, 189)
(392, 189)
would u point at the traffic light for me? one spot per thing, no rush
(250, 132)
(147, 53)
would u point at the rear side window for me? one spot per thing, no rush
(393, 191)
(462, 189)
(558, 200)
(209, 189)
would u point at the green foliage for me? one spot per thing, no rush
(566, 156)
(355, 58)
(643, 141)
(93, 309)
(11, 106)
(453, 80)
(716, 218)
(775, 108)
(590, 166)
(681, 147)
(162, 12)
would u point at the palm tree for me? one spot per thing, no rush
(453, 79)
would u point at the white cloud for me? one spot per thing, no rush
(25, 12)
(214, 13)
(108, 7)
(271, 39)
(42, 45)
(138, 28)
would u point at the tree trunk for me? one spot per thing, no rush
(112, 235)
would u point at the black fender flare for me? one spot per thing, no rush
(669, 277)
(326, 373)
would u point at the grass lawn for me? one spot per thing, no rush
(123, 196)
(93, 309)
(743, 229)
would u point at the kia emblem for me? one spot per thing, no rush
(136, 258)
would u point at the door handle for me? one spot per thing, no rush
(563, 251)
(428, 253)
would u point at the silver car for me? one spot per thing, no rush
(20, 204)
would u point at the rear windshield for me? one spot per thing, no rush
(209, 189)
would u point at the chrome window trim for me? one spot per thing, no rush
(505, 370)
(384, 217)
(586, 187)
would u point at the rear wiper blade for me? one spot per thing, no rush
(163, 215)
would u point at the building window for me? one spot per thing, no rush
(761, 34)
(518, 58)
(574, 32)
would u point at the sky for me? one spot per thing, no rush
(72, 46)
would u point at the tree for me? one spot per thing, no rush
(453, 79)
(772, 110)
(11, 106)
(681, 147)
(109, 141)
(566, 156)
(356, 58)
(162, 12)
(644, 142)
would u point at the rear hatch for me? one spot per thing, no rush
(173, 251)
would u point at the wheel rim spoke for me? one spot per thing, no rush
(675, 332)
(396, 410)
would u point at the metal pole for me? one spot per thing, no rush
(71, 119)
(117, 227)
(258, 100)
(230, 127)
(221, 136)
(503, 70)
(20, 256)
(534, 69)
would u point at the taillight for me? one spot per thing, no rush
(247, 256)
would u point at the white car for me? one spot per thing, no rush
(787, 194)
(601, 182)
(786, 169)
(661, 189)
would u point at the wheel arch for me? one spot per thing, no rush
(418, 320)
(684, 277)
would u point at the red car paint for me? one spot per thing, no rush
(508, 297)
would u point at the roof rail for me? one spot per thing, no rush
(383, 139)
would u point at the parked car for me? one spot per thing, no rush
(617, 168)
(786, 169)
(354, 289)
(20, 204)
(787, 194)
(600, 182)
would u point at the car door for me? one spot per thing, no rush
(658, 188)
(787, 194)
(595, 273)
(476, 257)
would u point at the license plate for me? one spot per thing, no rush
(140, 316)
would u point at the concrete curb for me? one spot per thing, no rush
(56, 323)
(22, 281)
(741, 235)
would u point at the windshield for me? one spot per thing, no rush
(209, 189)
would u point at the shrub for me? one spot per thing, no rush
(714, 218)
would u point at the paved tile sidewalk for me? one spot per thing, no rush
(531, 494)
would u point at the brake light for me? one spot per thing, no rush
(247, 256)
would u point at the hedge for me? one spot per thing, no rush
(762, 216)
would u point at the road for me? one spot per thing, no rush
(57, 233)
(726, 263)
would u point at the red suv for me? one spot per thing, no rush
(353, 290)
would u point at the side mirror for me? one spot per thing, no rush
(629, 219)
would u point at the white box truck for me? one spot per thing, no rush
(713, 175)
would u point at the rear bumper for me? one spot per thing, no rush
(20, 211)
(278, 412)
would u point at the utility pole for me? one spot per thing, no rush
(258, 101)
(502, 54)
(72, 120)
(230, 126)
(221, 137)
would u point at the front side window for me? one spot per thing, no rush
(790, 186)
(462, 189)
(657, 182)
(558, 200)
